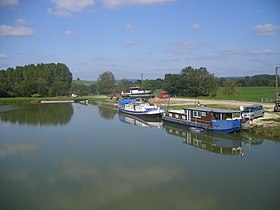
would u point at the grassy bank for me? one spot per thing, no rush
(266, 131)
(271, 131)
(257, 94)
(5, 101)
(27, 100)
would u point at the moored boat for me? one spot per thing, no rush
(218, 120)
(135, 92)
(132, 106)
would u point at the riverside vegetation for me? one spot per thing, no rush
(26, 83)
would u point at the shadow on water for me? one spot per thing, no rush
(39, 114)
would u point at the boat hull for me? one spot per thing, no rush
(224, 126)
(149, 112)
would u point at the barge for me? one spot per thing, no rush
(217, 120)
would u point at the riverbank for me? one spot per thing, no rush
(269, 125)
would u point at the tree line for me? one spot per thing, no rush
(256, 80)
(35, 80)
(56, 80)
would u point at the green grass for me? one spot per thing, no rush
(247, 94)
(27, 100)
(271, 131)
(272, 119)
(83, 82)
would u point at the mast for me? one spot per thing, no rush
(276, 84)
(142, 81)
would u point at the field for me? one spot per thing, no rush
(83, 82)
(256, 94)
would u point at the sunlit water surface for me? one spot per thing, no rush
(72, 156)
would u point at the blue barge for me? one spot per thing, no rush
(217, 120)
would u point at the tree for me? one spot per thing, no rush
(123, 85)
(106, 83)
(173, 84)
(230, 87)
(198, 82)
(43, 79)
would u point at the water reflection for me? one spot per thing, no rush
(18, 148)
(213, 142)
(39, 114)
(92, 163)
(141, 121)
(106, 112)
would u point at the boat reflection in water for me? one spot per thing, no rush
(213, 142)
(142, 121)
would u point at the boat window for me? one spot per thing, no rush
(197, 114)
(217, 116)
(227, 116)
(203, 114)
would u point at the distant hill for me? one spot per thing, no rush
(87, 82)
(83, 82)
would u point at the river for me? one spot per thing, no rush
(73, 156)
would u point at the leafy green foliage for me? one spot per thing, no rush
(84, 89)
(230, 88)
(191, 82)
(106, 83)
(43, 79)
(256, 80)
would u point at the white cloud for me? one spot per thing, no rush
(267, 29)
(230, 52)
(196, 26)
(3, 56)
(20, 21)
(210, 56)
(9, 2)
(255, 54)
(15, 31)
(67, 7)
(130, 43)
(130, 26)
(68, 33)
(185, 46)
(117, 3)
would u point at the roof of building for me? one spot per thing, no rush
(208, 109)
(125, 101)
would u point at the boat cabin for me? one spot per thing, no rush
(202, 115)
(135, 92)
(205, 114)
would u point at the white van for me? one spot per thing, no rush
(255, 111)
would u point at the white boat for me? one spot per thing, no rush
(135, 92)
(132, 106)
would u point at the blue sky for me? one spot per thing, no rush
(153, 37)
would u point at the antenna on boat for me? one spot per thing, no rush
(142, 81)
(276, 84)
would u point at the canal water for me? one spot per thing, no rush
(72, 156)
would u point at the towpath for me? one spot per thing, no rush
(191, 101)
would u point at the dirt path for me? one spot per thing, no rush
(184, 101)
